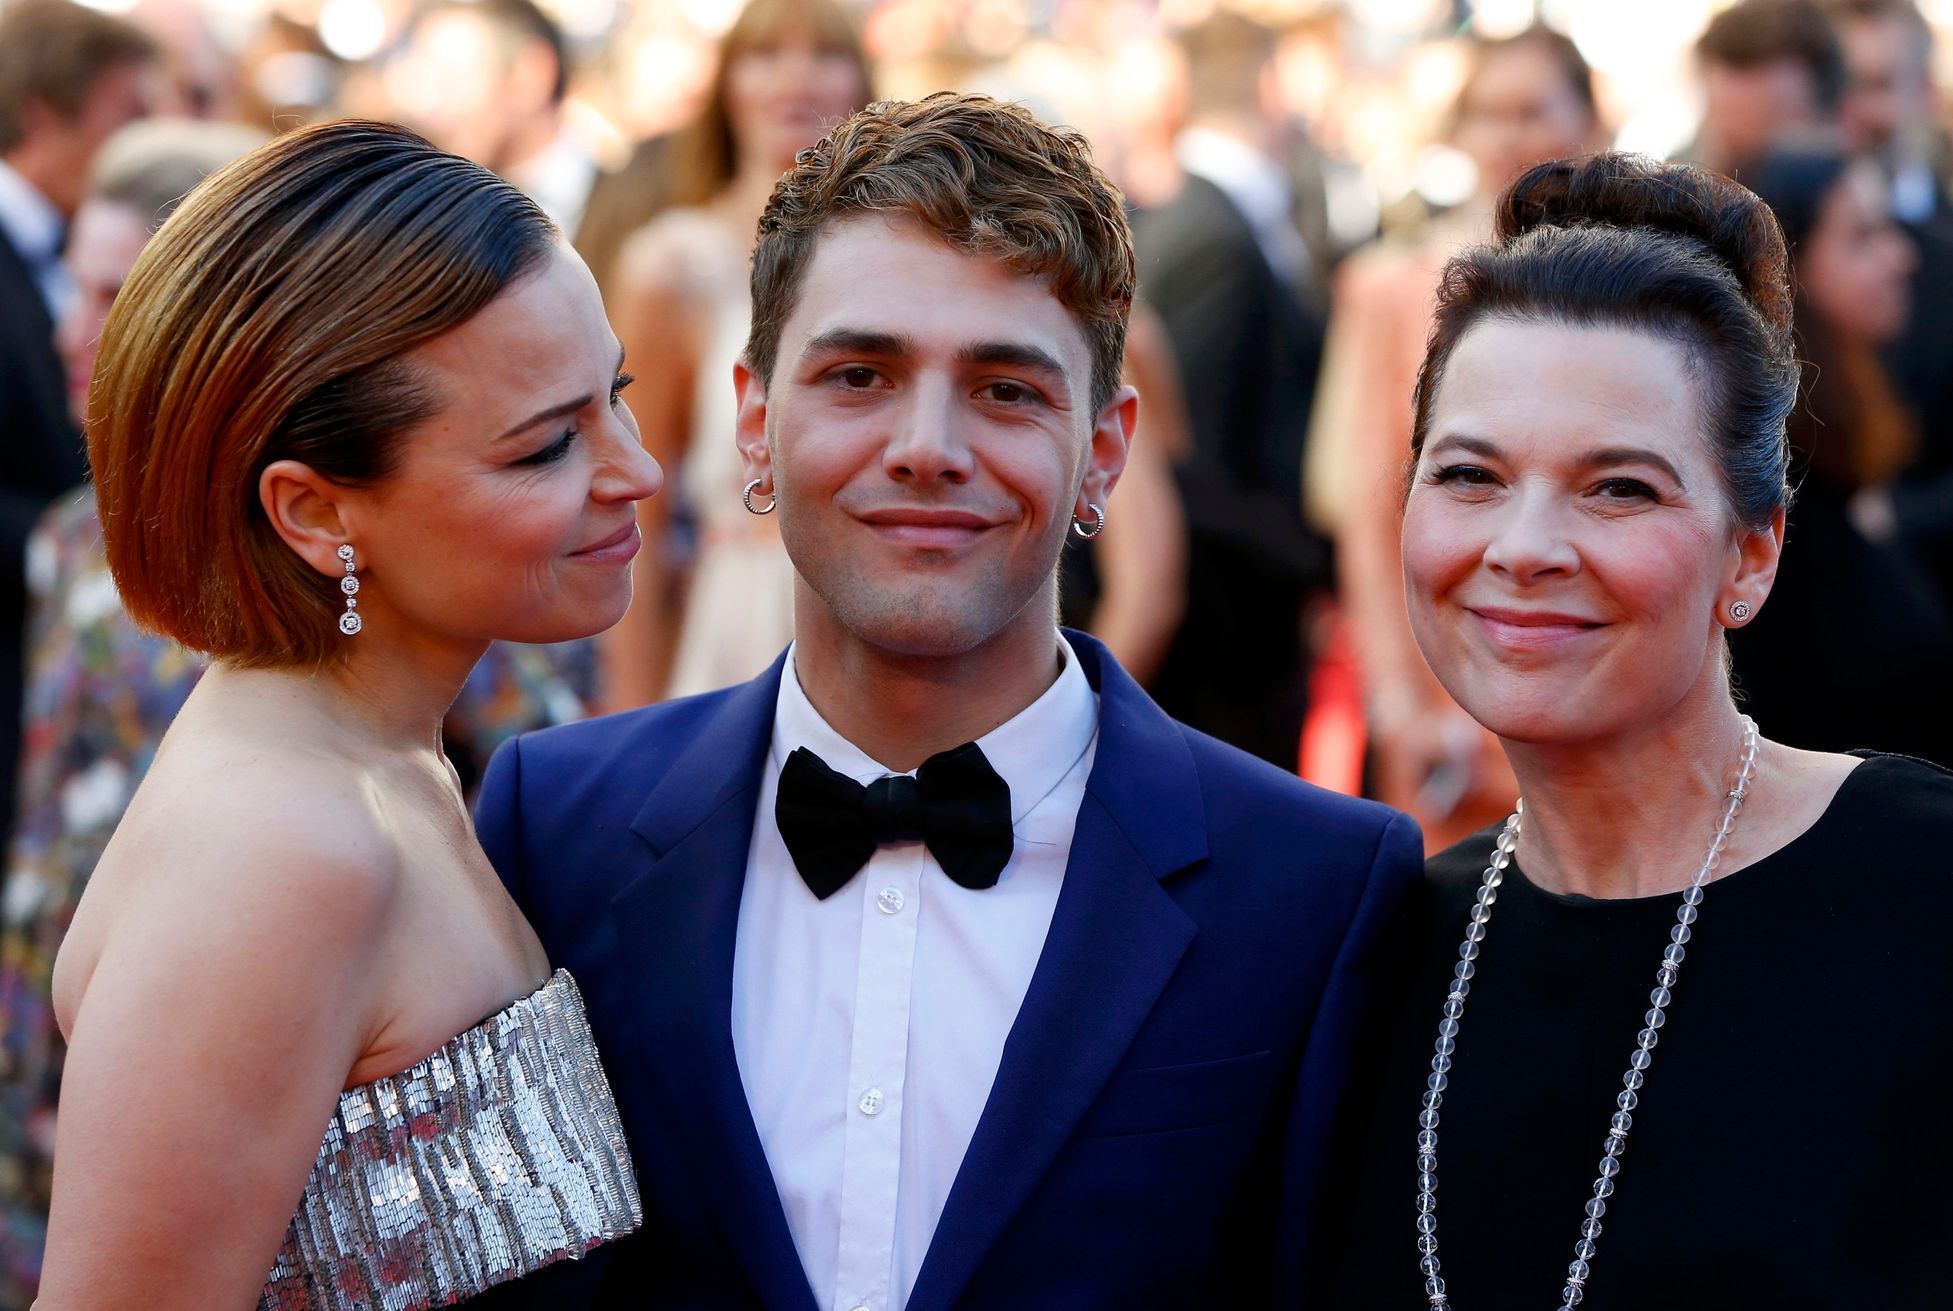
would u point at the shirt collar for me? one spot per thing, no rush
(1032, 751)
(29, 219)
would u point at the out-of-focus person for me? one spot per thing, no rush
(788, 70)
(356, 413)
(486, 79)
(1892, 113)
(1667, 1036)
(1771, 72)
(98, 690)
(1855, 648)
(1223, 264)
(69, 77)
(1527, 98)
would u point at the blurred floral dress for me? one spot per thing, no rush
(99, 694)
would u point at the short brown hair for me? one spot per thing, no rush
(990, 180)
(1755, 33)
(268, 320)
(54, 51)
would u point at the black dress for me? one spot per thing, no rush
(1791, 1144)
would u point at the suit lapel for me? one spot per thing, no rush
(676, 925)
(1116, 938)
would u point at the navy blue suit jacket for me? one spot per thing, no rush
(1157, 1133)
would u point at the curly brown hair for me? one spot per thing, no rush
(990, 179)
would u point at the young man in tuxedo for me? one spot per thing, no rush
(937, 966)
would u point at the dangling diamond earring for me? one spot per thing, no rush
(349, 622)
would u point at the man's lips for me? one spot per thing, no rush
(620, 545)
(930, 527)
(1532, 629)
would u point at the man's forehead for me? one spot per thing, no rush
(894, 276)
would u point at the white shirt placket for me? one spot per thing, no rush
(878, 1059)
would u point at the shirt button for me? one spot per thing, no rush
(871, 1102)
(890, 902)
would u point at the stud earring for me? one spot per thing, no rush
(1098, 525)
(1739, 610)
(349, 622)
(747, 497)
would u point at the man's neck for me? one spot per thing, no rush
(901, 709)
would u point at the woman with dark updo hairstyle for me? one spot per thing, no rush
(1669, 1035)
(355, 415)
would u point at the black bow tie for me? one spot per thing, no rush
(956, 804)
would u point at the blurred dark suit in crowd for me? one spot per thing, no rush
(1223, 264)
(69, 77)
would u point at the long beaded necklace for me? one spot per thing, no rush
(1575, 1289)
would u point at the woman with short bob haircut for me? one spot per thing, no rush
(355, 415)
(1669, 1033)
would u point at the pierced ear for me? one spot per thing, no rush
(1111, 444)
(305, 509)
(749, 427)
(1757, 552)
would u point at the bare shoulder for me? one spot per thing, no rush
(274, 862)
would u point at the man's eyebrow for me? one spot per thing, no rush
(857, 341)
(559, 411)
(1013, 353)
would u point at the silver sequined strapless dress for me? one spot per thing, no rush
(495, 1156)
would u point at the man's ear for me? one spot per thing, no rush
(749, 428)
(1106, 460)
(307, 510)
(1757, 552)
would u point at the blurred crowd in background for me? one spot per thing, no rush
(1298, 170)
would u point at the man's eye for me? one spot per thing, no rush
(858, 377)
(1010, 393)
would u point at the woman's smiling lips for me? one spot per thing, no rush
(1531, 630)
(617, 548)
(928, 527)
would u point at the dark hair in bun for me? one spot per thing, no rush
(1623, 241)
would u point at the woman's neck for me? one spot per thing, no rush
(1632, 815)
(384, 697)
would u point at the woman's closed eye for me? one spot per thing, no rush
(617, 387)
(551, 453)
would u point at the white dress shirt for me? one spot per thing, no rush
(869, 1027)
(34, 227)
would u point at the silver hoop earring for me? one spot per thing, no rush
(1739, 610)
(1097, 527)
(747, 497)
(349, 622)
